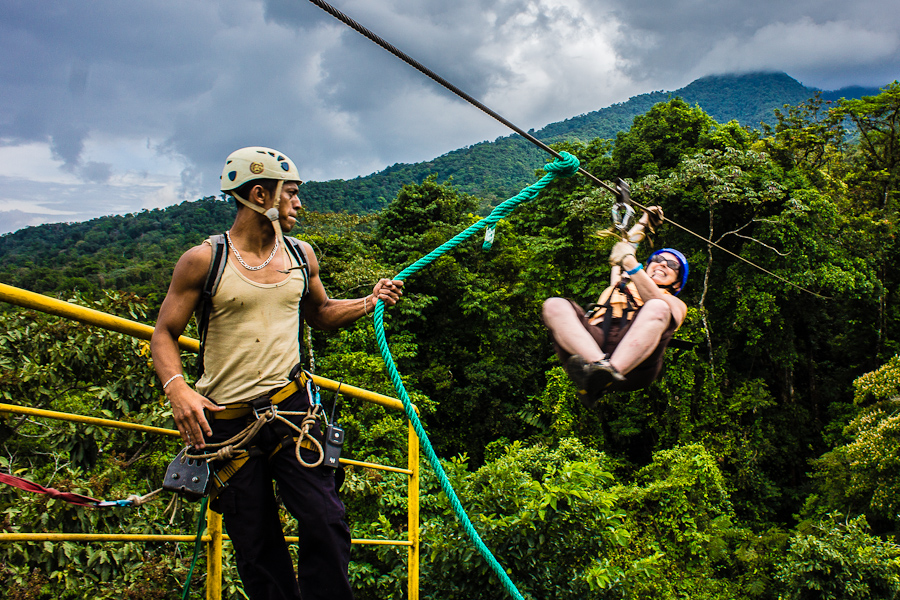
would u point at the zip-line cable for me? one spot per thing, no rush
(362, 30)
(738, 256)
(437, 78)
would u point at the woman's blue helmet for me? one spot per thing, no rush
(681, 260)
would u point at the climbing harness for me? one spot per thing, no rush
(563, 167)
(618, 302)
(190, 474)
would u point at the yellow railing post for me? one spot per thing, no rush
(214, 555)
(413, 515)
(83, 314)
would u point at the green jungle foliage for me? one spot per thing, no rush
(134, 252)
(762, 465)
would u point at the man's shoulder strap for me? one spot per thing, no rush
(213, 277)
(216, 266)
(295, 249)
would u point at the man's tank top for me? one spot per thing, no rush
(252, 339)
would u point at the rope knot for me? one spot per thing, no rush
(565, 167)
(225, 453)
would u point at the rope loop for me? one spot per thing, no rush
(310, 417)
(319, 449)
(566, 165)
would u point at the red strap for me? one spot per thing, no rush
(30, 486)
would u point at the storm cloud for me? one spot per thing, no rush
(109, 107)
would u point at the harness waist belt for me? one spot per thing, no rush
(240, 409)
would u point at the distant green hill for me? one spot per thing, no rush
(496, 170)
(137, 252)
(133, 252)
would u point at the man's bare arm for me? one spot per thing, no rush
(322, 312)
(176, 310)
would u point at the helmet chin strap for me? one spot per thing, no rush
(668, 286)
(273, 214)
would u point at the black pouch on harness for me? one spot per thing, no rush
(334, 439)
(187, 476)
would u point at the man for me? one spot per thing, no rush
(250, 348)
(619, 344)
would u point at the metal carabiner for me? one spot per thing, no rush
(312, 391)
(622, 211)
(619, 220)
(268, 409)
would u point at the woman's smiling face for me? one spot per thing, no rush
(664, 269)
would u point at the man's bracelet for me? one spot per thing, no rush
(366, 305)
(171, 379)
(635, 270)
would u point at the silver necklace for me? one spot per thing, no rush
(241, 260)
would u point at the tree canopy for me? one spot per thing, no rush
(763, 464)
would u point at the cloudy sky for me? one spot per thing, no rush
(113, 107)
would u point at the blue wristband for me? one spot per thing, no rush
(635, 270)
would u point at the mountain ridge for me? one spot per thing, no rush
(136, 251)
(497, 169)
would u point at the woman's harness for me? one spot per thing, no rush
(619, 302)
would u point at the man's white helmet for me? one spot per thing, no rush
(256, 162)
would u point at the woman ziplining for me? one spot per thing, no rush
(619, 342)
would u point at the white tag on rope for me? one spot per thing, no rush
(488, 237)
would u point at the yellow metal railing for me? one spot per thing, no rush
(214, 536)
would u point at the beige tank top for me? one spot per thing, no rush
(252, 338)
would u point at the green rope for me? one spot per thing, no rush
(566, 167)
(201, 525)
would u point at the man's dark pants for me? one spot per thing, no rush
(250, 513)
